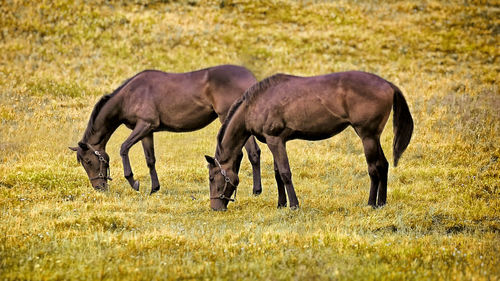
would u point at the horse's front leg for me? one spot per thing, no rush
(141, 130)
(149, 153)
(278, 149)
(253, 152)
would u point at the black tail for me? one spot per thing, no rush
(402, 124)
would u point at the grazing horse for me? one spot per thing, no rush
(153, 101)
(284, 107)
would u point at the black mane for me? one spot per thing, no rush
(97, 108)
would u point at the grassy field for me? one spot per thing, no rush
(442, 220)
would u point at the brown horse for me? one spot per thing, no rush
(284, 107)
(153, 101)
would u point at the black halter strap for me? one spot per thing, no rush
(227, 181)
(102, 175)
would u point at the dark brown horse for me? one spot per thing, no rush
(283, 107)
(153, 101)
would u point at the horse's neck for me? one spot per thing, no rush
(234, 138)
(104, 125)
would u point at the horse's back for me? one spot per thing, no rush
(194, 82)
(320, 106)
(183, 101)
(228, 73)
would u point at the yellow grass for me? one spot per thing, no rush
(442, 221)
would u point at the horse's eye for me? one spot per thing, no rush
(87, 161)
(211, 178)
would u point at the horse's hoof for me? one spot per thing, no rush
(372, 204)
(257, 192)
(293, 208)
(281, 206)
(136, 185)
(154, 190)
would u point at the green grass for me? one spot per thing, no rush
(442, 221)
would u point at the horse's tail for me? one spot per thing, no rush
(402, 124)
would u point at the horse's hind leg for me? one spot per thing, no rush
(253, 152)
(377, 169)
(141, 130)
(383, 169)
(149, 153)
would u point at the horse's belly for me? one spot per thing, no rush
(186, 121)
(316, 130)
(314, 123)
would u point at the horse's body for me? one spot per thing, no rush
(153, 101)
(284, 107)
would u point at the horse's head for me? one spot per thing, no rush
(223, 182)
(95, 163)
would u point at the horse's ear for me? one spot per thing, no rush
(210, 160)
(73, 148)
(83, 145)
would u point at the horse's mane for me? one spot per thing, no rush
(250, 93)
(97, 108)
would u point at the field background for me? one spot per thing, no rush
(442, 220)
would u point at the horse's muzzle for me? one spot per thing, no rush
(101, 187)
(223, 209)
(219, 204)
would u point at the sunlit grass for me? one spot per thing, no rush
(442, 220)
